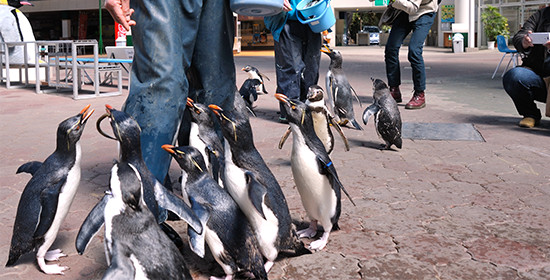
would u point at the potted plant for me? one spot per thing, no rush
(494, 24)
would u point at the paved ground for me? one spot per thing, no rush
(433, 210)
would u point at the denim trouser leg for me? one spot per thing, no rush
(524, 87)
(400, 29)
(297, 52)
(165, 38)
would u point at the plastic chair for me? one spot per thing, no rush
(502, 46)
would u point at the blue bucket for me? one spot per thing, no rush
(319, 16)
(257, 8)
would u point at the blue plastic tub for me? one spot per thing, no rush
(318, 16)
(258, 8)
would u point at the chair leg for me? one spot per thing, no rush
(508, 65)
(498, 66)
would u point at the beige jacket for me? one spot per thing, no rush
(416, 8)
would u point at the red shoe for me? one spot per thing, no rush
(396, 94)
(418, 101)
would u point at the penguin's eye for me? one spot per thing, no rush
(198, 111)
(293, 107)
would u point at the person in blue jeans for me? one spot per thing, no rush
(171, 38)
(417, 17)
(526, 83)
(297, 54)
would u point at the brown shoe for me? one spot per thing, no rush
(396, 94)
(529, 122)
(418, 101)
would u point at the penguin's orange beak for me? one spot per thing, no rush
(216, 109)
(86, 114)
(325, 49)
(168, 148)
(25, 3)
(281, 97)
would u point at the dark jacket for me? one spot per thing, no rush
(535, 57)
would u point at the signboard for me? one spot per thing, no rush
(381, 2)
(447, 13)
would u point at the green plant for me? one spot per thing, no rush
(494, 23)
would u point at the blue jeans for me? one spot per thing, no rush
(400, 29)
(524, 87)
(297, 59)
(169, 38)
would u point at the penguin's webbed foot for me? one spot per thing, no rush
(54, 255)
(51, 268)
(309, 232)
(320, 243)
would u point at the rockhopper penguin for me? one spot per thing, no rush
(250, 182)
(314, 173)
(135, 246)
(225, 227)
(47, 197)
(156, 196)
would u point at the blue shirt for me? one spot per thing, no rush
(276, 22)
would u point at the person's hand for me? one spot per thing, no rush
(121, 12)
(286, 6)
(526, 42)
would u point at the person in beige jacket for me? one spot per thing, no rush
(417, 17)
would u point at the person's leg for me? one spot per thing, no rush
(213, 56)
(163, 41)
(288, 62)
(312, 58)
(400, 29)
(524, 87)
(420, 29)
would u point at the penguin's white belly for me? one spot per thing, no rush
(196, 142)
(315, 189)
(140, 271)
(113, 208)
(216, 247)
(321, 129)
(266, 229)
(64, 201)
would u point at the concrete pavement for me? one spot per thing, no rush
(432, 210)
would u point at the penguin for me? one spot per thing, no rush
(135, 246)
(155, 195)
(252, 185)
(249, 93)
(254, 73)
(15, 27)
(387, 118)
(340, 92)
(225, 227)
(322, 120)
(205, 135)
(48, 195)
(314, 173)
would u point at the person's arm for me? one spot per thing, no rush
(521, 40)
(121, 12)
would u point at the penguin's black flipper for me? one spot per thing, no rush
(171, 202)
(338, 128)
(91, 225)
(369, 111)
(196, 240)
(29, 167)
(48, 201)
(284, 137)
(256, 192)
(355, 124)
(121, 268)
(329, 170)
